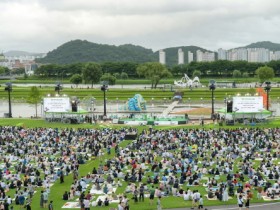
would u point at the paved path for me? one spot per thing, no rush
(260, 206)
(169, 108)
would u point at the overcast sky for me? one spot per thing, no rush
(43, 25)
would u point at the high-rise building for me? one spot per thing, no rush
(222, 54)
(162, 57)
(258, 55)
(181, 59)
(204, 56)
(237, 54)
(190, 57)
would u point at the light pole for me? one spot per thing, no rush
(92, 108)
(201, 102)
(117, 104)
(267, 88)
(58, 88)
(189, 102)
(104, 88)
(152, 102)
(212, 87)
(9, 89)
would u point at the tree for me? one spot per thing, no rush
(153, 71)
(245, 75)
(265, 73)
(92, 72)
(124, 76)
(117, 75)
(108, 77)
(76, 79)
(34, 98)
(196, 73)
(236, 74)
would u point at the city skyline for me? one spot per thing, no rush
(41, 26)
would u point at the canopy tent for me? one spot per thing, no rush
(261, 114)
(67, 117)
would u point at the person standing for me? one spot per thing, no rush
(86, 204)
(240, 202)
(51, 205)
(42, 199)
(248, 198)
(141, 193)
(46, 198)
(152, 195)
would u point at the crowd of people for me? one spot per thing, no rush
(194, 164)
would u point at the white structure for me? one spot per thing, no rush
(275, 55)
(258, 55)
(190, 57)
(162, 57)
(222, 54)
(187, 82)
(240, 54)
(204, 56)
(181, 56)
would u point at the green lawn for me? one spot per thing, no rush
(20, 94)
(168, 202)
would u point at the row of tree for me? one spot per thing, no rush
(220, 68)
(92, 73)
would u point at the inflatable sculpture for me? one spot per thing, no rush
(137, 103)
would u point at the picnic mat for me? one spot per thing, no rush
(276, 198)
(71, 205)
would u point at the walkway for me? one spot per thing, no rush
(259, 206)
(170, 108)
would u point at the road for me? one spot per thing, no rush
(260, 206)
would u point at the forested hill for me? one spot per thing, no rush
(265, 44)
(83, 51)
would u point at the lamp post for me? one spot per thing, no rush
(92, 108)
(58, 88)
(104, 88)
(201, 102)
(212, 87)
(267, 88)
(152, 102)
(9, 89)
(189, 99)
(117, 104)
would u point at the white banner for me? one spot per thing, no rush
(57, 105)
(248, 104)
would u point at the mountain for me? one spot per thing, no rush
(264, 44)
(172, 54)
(84, 51)
(17, 53)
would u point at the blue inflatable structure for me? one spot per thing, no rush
(137, 103)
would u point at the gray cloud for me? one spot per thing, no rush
(40, 25)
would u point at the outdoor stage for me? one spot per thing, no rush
(144, 120)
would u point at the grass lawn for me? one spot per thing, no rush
(167, 202)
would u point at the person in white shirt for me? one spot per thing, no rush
(86, 204)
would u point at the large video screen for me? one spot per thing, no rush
(247, 104)
(57, 104)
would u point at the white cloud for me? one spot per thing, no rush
(40, 25)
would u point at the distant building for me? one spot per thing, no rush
(258, 55)
(222, 54)
(240, 54)
(190, 57)
(162, 57)
(181, 56)
(204, 56)
(275, 55)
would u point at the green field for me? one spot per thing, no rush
(168, 202)
(20, 94)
